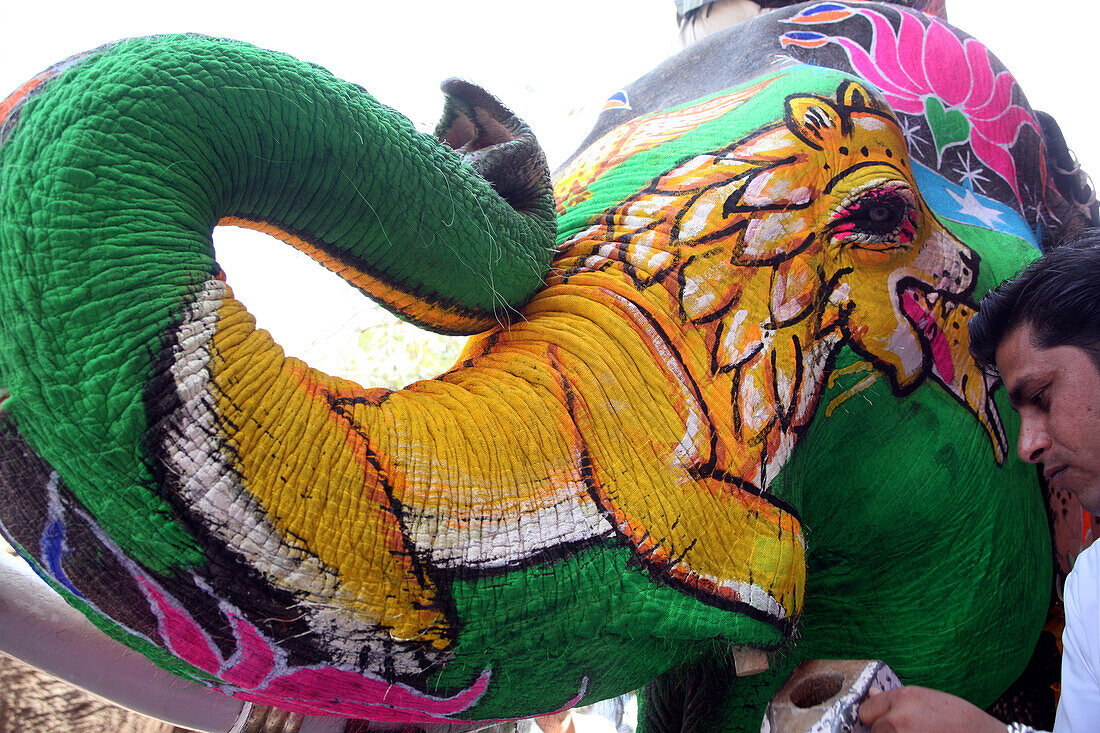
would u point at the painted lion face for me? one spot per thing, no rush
(768, 256)
(809, 231)
(826, 203)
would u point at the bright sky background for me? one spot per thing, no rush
(554, 63)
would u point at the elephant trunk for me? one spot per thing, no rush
(293, 538)
(140, 390)
(118, 164)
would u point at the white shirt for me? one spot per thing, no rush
(1079, 704)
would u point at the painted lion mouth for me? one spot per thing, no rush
(926, 309)
(942, 319)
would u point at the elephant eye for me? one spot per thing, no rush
(882, 218)
(881, 215)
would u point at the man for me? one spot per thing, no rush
(1040, 331)
(699, 18)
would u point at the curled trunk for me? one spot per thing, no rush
(295, 539)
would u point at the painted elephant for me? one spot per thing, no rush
(730, 406)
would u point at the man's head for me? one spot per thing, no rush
(1040, 331)
(1058, 295)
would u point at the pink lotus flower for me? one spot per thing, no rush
(928, 70)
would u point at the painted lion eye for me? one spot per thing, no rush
(878, 219)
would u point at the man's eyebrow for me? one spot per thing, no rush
(1016, 394)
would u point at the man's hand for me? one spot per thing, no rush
(920, 709)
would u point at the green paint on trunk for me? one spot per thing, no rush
(114, 176)
(601, 619)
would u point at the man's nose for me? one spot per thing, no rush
(1034, 440)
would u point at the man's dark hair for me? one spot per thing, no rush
(1058, 295)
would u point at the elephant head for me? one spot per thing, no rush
(740, 390)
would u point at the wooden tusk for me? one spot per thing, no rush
(748, 660)
(825, 694)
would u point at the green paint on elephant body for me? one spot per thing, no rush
(986, 547)
(947, 583)
(948, 126)
(618, 628)
(123, 165)
(632, 175)
(956, 607)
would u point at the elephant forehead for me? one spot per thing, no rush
(630, 155)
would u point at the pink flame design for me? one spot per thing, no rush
(254, 674)
(344, 694)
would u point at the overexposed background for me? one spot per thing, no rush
(553, 63)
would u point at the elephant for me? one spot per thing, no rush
(717, 399)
